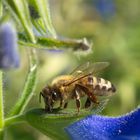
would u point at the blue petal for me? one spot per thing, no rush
(9, 57)
(95, 127)
(106, 8)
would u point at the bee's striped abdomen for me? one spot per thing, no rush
(101, 85)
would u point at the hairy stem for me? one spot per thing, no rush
(40, 15)
(13, 120)
(1, 109)
(1, 8)
(20, 9)
(1, 135)
(29, 87)
(1, 103)
(52, 43)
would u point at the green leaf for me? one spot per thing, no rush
(52, 43)
(53, 124)
(40, 13)
(28, 88)
(20, 8)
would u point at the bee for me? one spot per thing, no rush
(79, 83)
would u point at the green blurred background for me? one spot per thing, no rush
(114, 28)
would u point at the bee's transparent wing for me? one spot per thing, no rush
(88, 68)
(96, 109)
(96, 67)
(80, 69)
(85, 70)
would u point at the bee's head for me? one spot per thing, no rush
(50, 95)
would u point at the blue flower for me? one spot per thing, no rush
(9, 57)
(95, 127)
(106, 8)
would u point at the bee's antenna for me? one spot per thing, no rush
(40, 97)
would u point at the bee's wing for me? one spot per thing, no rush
(96, 109)
(85, 70)
(89, 68)
(80, 69)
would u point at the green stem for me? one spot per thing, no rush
(20, 8)
(40, 13)
(1, 135)
(1, 103)
(13, 120)
(1, 8)
(1, 109)
(52, 43)
(29, 87)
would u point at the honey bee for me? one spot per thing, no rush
(79, 83)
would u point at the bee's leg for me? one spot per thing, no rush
(88, 103)
(94, 99)
(65, 105)
(46, 105)
(40, 97)
(90, 95)
(61, 103)
(77, 100)
(48, 108)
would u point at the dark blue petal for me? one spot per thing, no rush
(97, 127)
(9, 57)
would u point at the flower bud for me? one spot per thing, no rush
(9, 56)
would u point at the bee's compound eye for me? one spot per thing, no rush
(54, 95)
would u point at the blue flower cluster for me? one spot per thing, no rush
(9, 57)
(97, 127)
